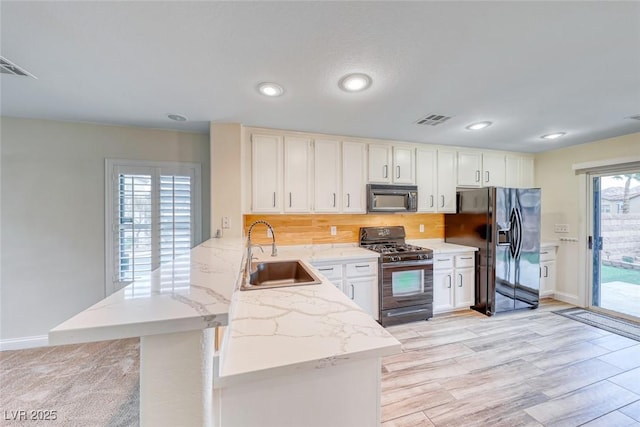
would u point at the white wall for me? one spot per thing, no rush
(561, 194)
(52, 246)
(226, 178)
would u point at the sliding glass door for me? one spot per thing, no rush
(614, 242)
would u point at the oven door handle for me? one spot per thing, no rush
(422, 263)
(405, 312)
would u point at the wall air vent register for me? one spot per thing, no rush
(8, 67)
(433, 120)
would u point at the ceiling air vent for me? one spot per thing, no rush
(8, 67)
(433, 120)
(636, 117)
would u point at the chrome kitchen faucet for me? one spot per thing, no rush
(274, 250)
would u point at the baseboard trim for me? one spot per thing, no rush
(24, 342)
(568, 298)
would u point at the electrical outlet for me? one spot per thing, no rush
(225, 222)
(562, 228)
(422, 228)
(269, 233)
(334, 230)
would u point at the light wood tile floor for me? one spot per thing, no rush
(525, 368)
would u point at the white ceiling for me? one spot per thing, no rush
(530, 67)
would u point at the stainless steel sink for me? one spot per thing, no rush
(278, 274)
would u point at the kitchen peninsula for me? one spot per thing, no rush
(290, 355)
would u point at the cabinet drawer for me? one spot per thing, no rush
(465, 260)
(364, 268)
(332, 272)
(442, 261)
(547, 254)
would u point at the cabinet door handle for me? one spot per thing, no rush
(442, 202)
(443, 259)
(385, 173)
(487, 172)
(546, 271)
(449, 276)
(466, 257)
(289, 199)
(325, 269)
(544, 253)
(540, 271)
(477, 176)
(274, 199)
(431, 200)
(460, 276)
(398, 171)
(362, 266)
(353, 292)
(334, 200)
(348, 200)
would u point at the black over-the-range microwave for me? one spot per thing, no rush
(392, 198)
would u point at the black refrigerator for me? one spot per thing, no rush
(504, 224)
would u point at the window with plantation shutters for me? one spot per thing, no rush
(153, 217)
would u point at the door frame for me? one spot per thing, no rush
(587, 191)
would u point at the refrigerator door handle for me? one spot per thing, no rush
(516, 233)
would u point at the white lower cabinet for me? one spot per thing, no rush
(547, 271)
(363, 291)
(453, 281)
(333, 272)
(357, 280)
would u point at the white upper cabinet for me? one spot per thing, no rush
(327, 167)
(293, 173)
(426, 178)
(297, 174)
(436, 179)
(469, 169)
(266, 173)
(476, 169)
(390, 164)
(379, 163)
(446, 182)
(493, 170)
(519, 171)
(353, 177)
(403, 166)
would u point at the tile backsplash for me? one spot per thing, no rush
(304, 229)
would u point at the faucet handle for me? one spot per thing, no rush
(274, 250)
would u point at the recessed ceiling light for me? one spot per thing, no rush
(270, 89)
(479, 125)
(355, 82)
(177, 117)
(553, 135)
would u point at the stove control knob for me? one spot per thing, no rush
(394, 258)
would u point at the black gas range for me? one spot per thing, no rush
(405, 275)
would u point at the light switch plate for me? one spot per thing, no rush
(562, 228)
(334, 230)
(225, 222)
(422, 228)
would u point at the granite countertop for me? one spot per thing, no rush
(193, 292)
(440, 247)
(271, 331)
(283, 330)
